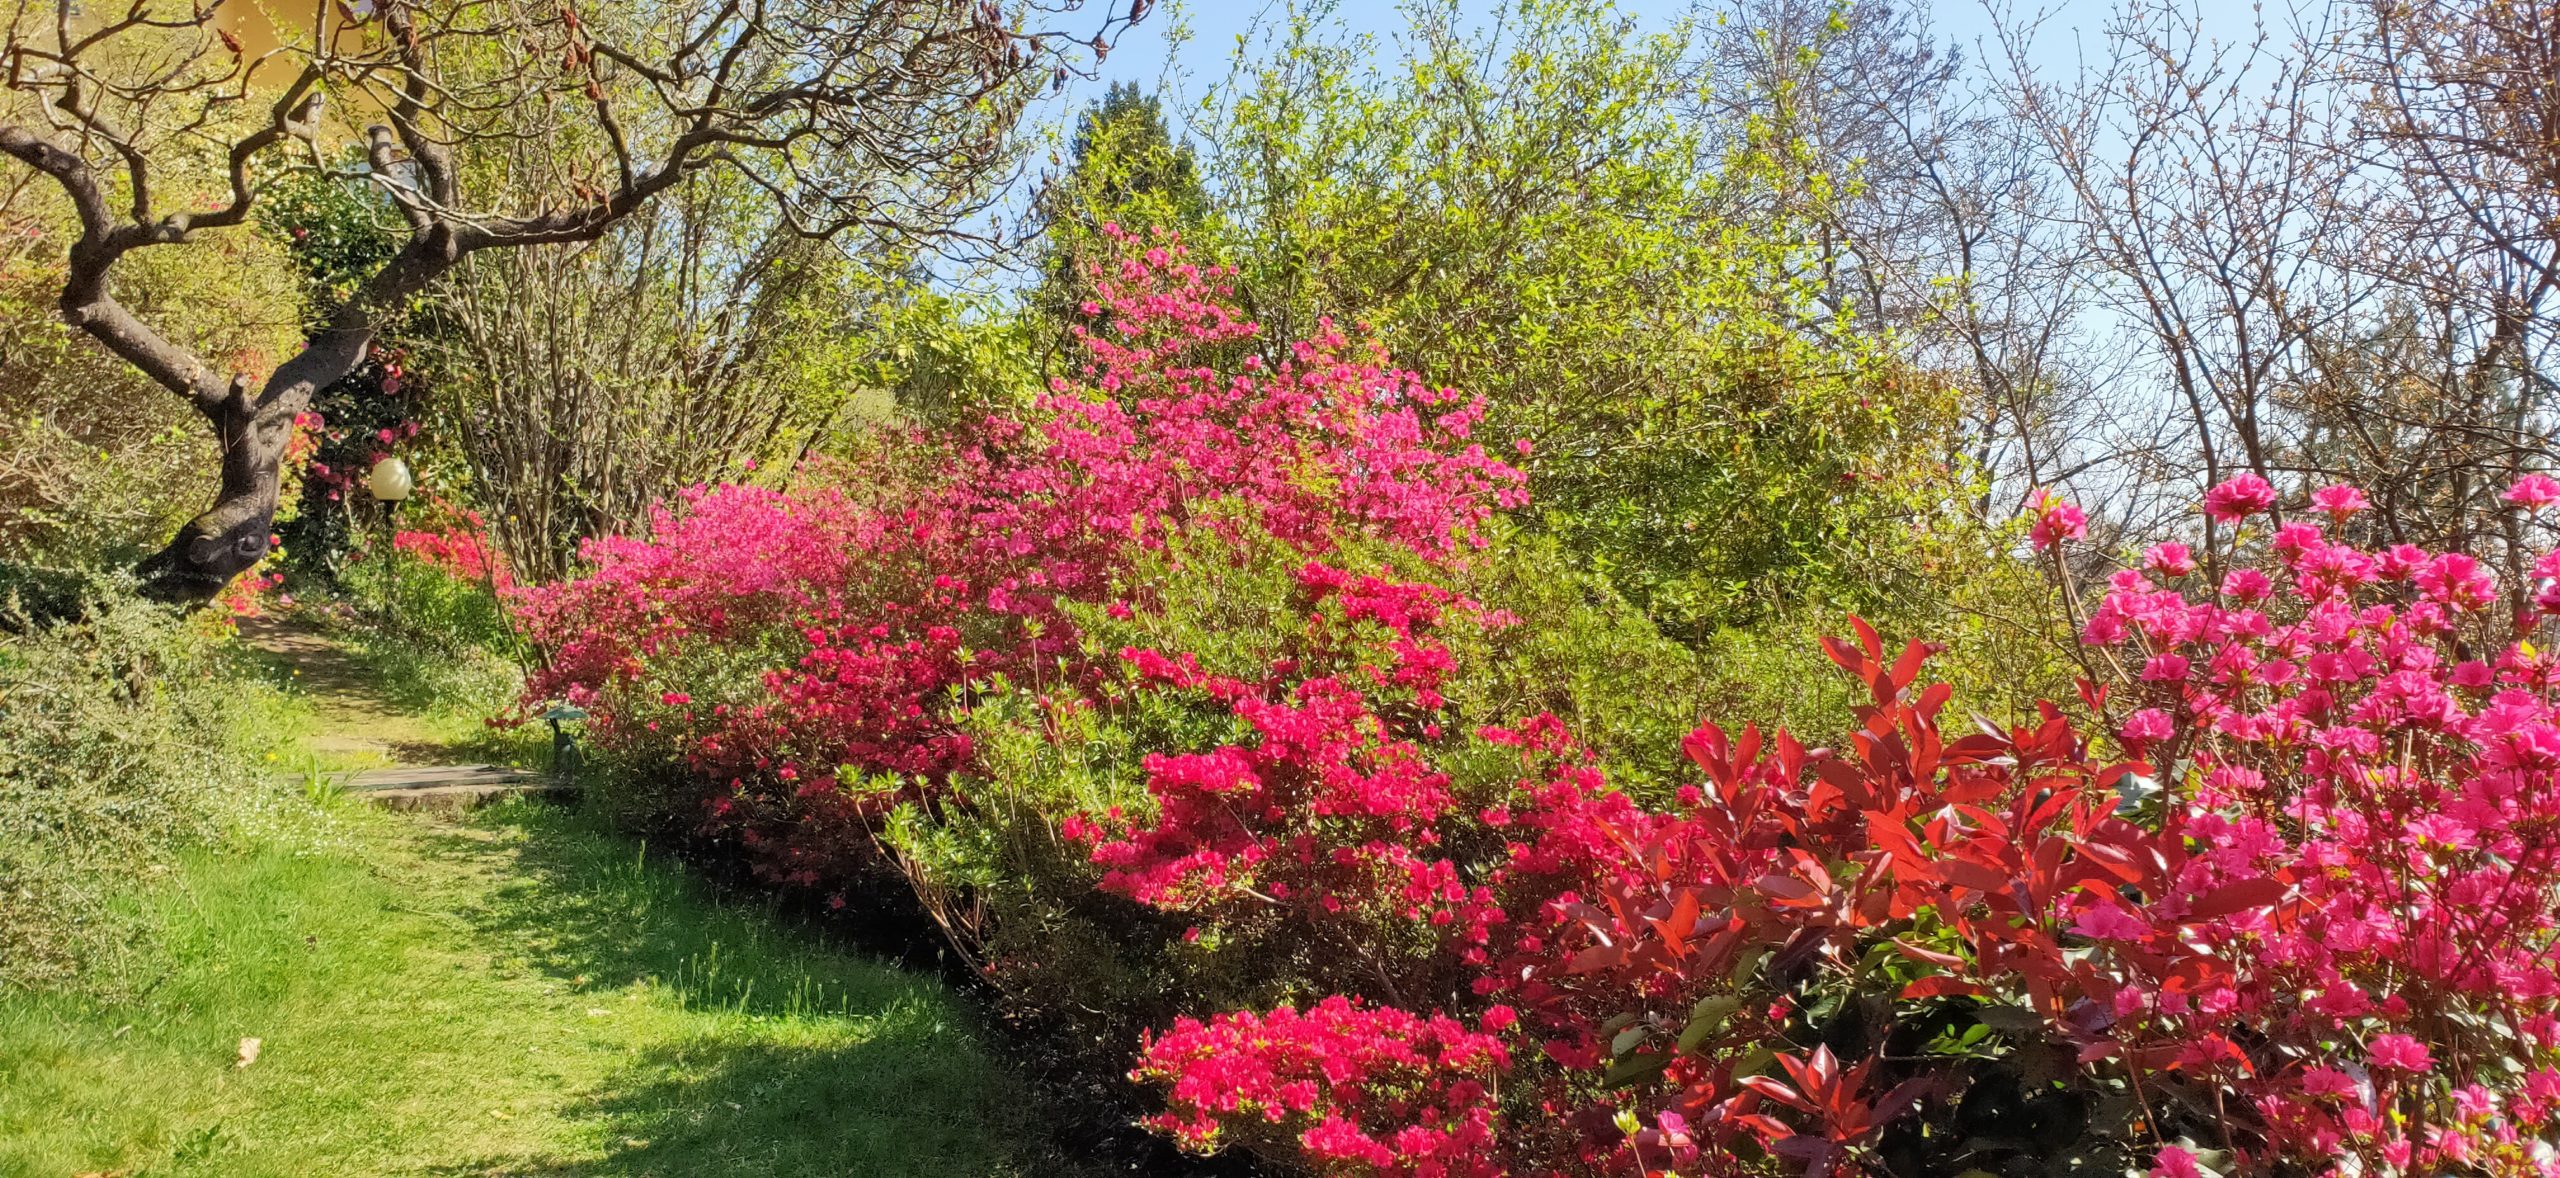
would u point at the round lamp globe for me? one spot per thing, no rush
(390, 481)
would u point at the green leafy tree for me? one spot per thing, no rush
(1123, 167)
(1544, 211)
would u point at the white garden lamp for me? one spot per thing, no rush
(390, 481)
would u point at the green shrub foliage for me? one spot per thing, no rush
(130, 732)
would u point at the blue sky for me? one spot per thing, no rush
(1147, 56)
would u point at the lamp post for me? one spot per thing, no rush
(390, 483)
(564, 744)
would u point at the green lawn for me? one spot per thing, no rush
(516, 993)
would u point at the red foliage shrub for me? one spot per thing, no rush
(2325, 932)
(2305, 925)
(455, 542)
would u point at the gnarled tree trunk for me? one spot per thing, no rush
(253, 430)
(839, 111)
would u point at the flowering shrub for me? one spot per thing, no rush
(1322, 754)
(2311, 931)
(1710, 987)
(1176, 702)
(2365, 748)
(1250, 707)
(455, 542)
(353, 423)
(1368, 1087)
(847, 628)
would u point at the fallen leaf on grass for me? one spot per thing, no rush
(248, 1052)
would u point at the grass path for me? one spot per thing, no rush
(511, 993)
(355, 720)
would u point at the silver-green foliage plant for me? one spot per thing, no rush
(130, 733)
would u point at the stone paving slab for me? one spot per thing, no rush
(412, 776)
(464, 796)
(449, 787)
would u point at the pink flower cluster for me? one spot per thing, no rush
(2056, 520)
(863, 620)
(2370, 754)
(2311, 929)
(1365, 1088)
(1334, 811)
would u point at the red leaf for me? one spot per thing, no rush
(1942, 986)
(1783, 886)
(1597, 957)
(1675, 928)
(1706, 746)
(1770, 1087)
(1964, 873)
(1932, 956)
(1867, 638)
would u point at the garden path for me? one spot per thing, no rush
(378, 750)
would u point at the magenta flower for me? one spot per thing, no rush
(2110, 922)
(2170, 560)
(2173, 1162)
(2399, 562)
(2245, 585)
(2533, 492)
(2399, 1052)
(2165, 667)
(2056, 521)
(2144, 728)
(2457, 580)
(2320, 1081)
(2339, 501)
(2238, 497)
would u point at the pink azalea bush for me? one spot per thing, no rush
(778, 645)
(1379, 1089)
(1189, 647)
(2373, 750)
(2309, 930)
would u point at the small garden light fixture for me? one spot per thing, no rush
(390, 481)
(564, 743)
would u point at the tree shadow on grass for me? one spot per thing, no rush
(791, 1059)
(719, 1108)
(375, 699)
(870, 1110)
